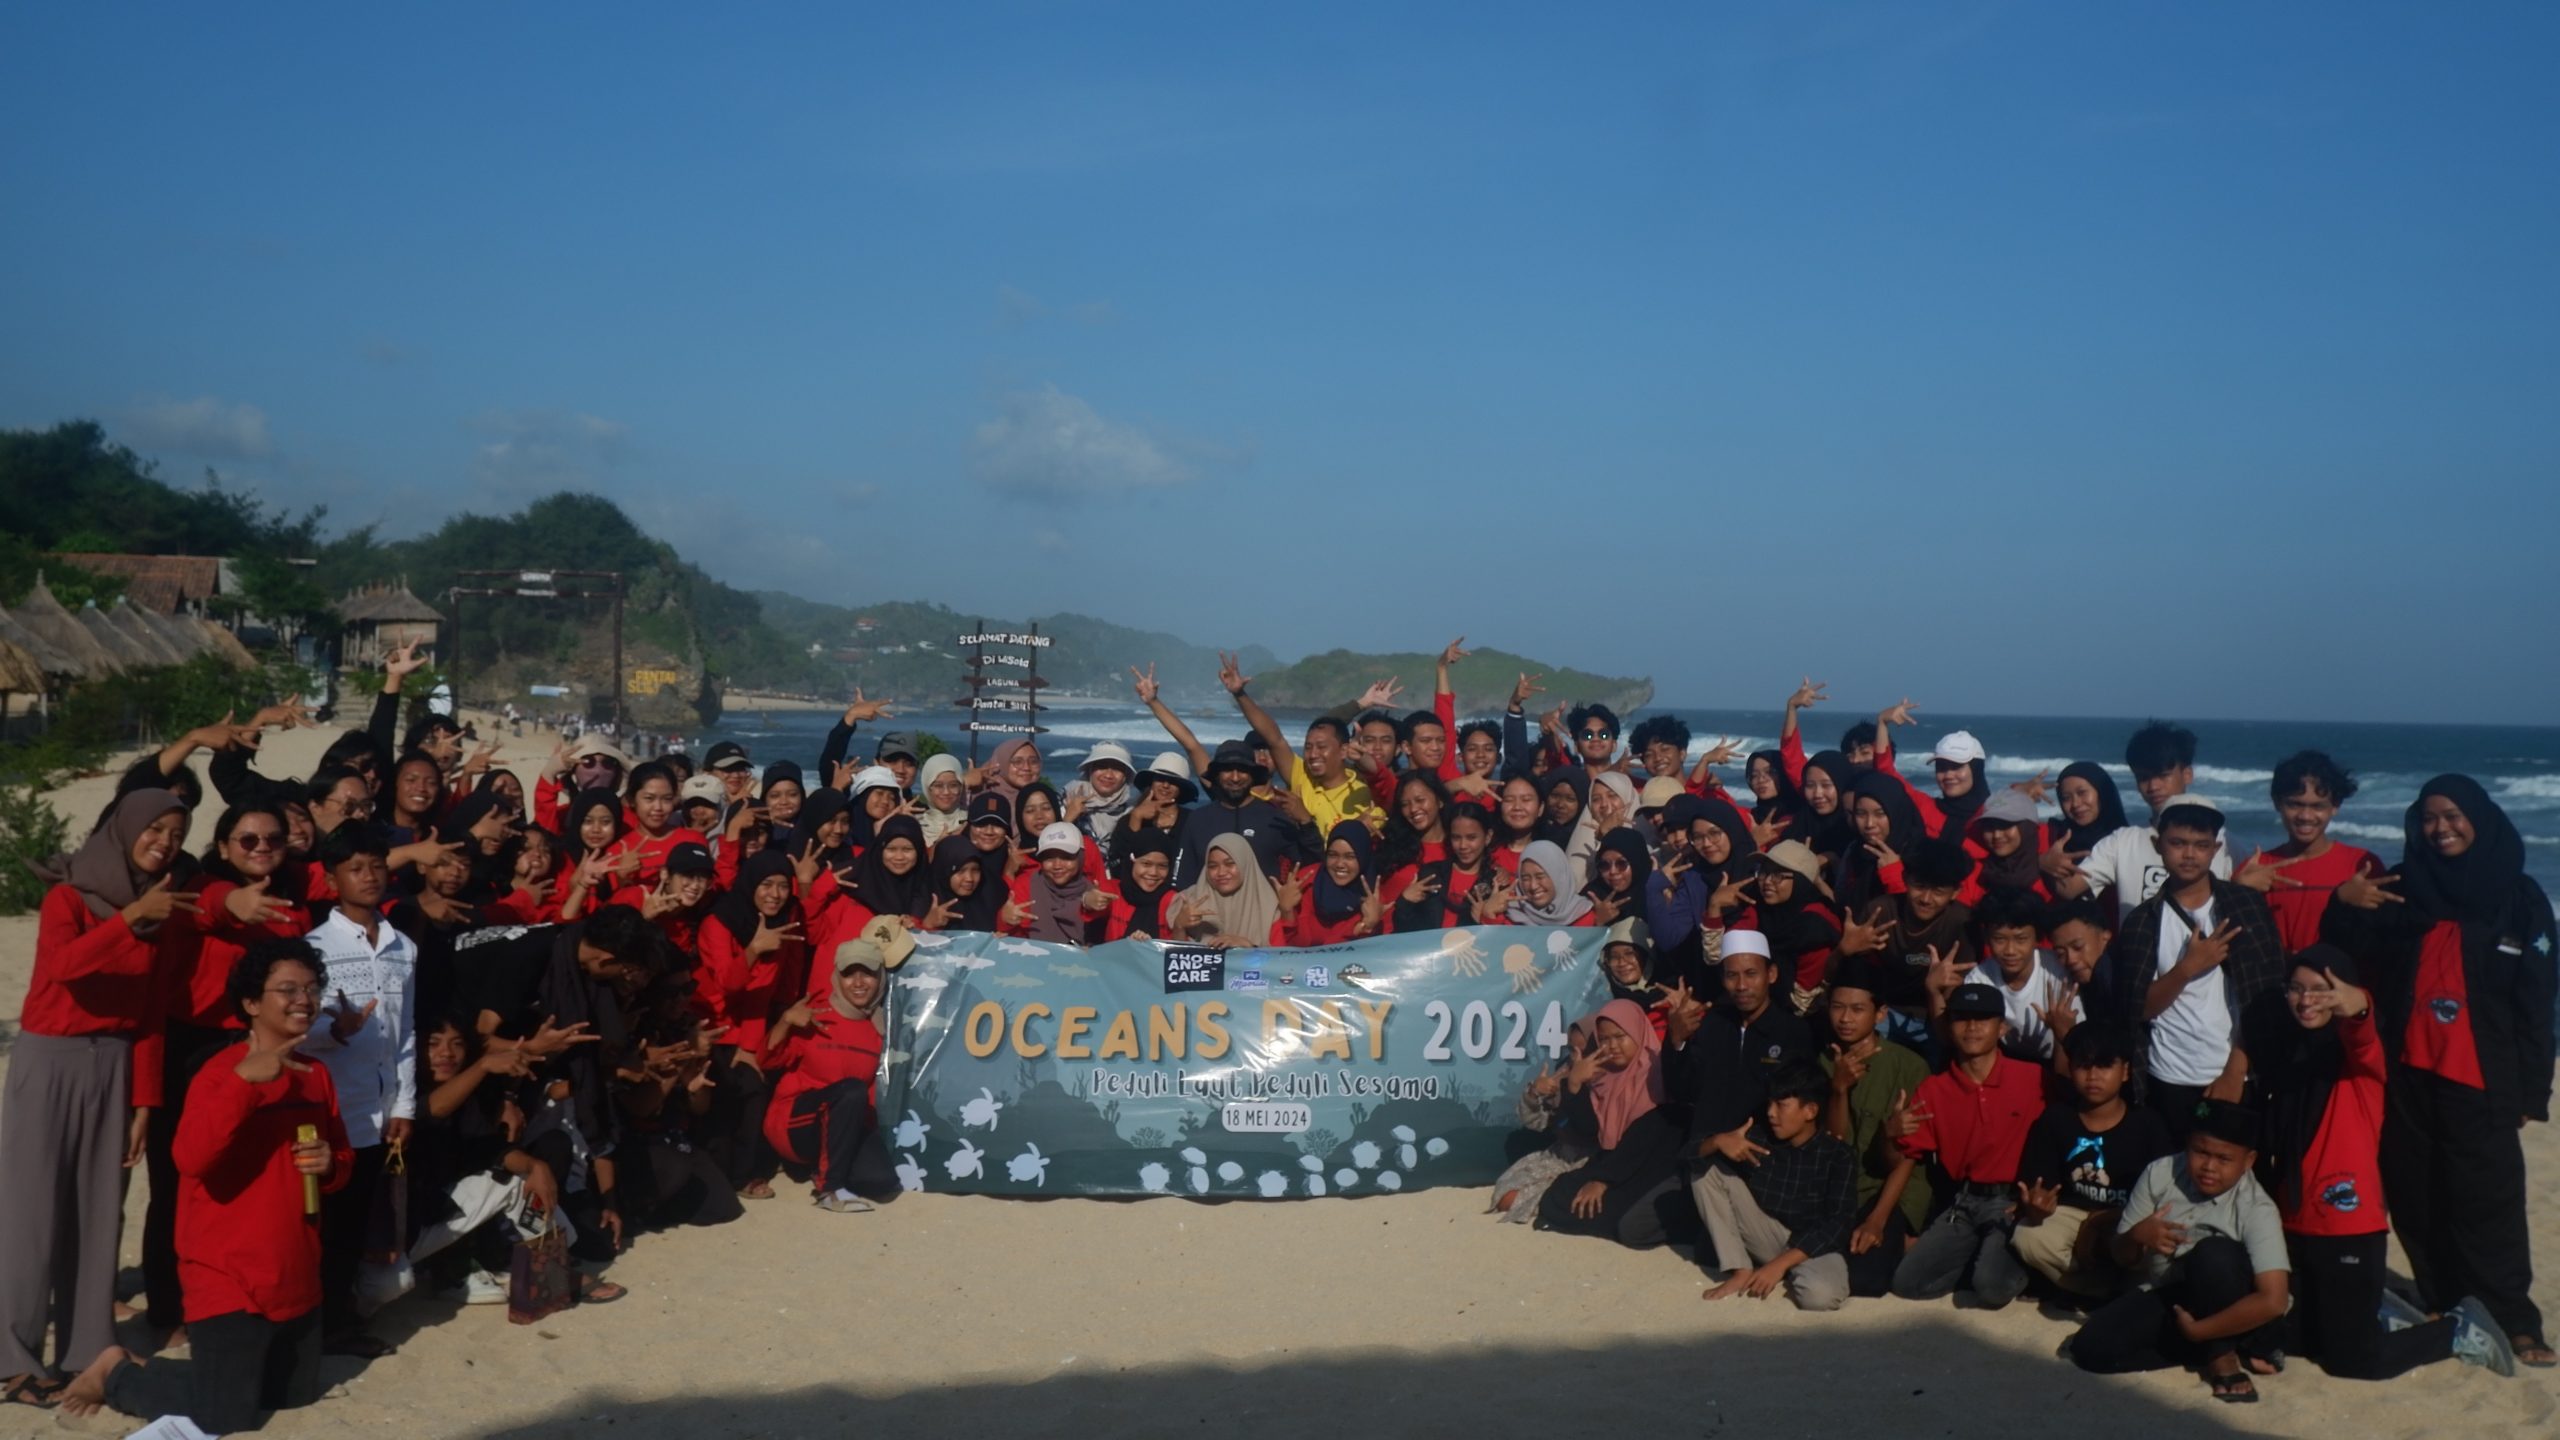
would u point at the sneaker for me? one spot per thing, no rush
(2477, 1340)
(482, 1288)
(2399, 1312)
(845, 1203)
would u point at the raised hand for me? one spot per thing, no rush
(160, 902)
(1231, 674)
(552, 1037)
(1857, 937)
(1146, 683)
(402, 663)
(1526, 686)
(1765, 833)
(862, 709)
(1422, 888)
(1944, 973)
(1809, 693)
(1291, 891)
(805, 865)
(2370, 892)
(252, 905)
(345, 1020)
(1720, 753)
(1382, 694)
(1897, 714)
(769, 937)
(259, 1066)
(1453, 652)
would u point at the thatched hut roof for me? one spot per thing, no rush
(387, 605)
(44, 615)
(220, 641)
(185, 639)
(46, 655)
(130, 653)
(19, 671)
(149, 641)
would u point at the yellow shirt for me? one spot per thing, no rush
(1349, 800)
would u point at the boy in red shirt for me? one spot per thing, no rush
(2300, 875)
(248, 1216)
(1974, 1117)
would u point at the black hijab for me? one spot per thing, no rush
(815, 811)
(1148, 903)
(579, 805)
(737, 909)
(883, 892)
(1337, 903)
(2295, 1069)
(1956, 812)
(1031, 838)
(1831, 834)
(491, 875)
(1572, 777)
(1626, 840)
(980, 909)
(786, 833)
(1853, 875)
(2477, 886)
(1788, 804)
(2081, 838)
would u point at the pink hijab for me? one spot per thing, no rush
(1620, 1098)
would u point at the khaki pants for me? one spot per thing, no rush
(2046, 1249)
(1742, 1235)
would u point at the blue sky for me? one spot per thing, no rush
(2030, 358)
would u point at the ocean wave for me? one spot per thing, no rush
(2528, 787)
(2221, 775)
(2357, 830)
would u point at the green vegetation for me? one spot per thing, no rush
(1482, 681)
(907, 651)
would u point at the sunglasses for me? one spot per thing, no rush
(257, 839)
(1599, 734)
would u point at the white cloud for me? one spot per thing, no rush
(204, 427)
(1050, 444)
(528, 452)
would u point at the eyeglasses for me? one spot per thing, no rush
(362, 805)
(257, 839)
(1613, 862)
(298, 992)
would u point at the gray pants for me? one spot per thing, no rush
(63, 1114)
(1968, 1241)
(1743, 1236)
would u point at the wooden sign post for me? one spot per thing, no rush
(1013, 700)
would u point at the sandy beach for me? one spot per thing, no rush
(1405, 1315)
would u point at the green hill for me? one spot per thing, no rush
(1482, 681)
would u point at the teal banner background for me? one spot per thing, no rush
(1017, 1067)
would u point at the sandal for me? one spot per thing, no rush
(2232, 1389)
(358, 1344)
(33, 1390)
(2533, 1350)
(595, 1290)
(755, 1190)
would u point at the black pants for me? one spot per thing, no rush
(346, 1216)
(189, 1046)
(2135, 1330)
(583, 1206)
(1639, 1215)
(240, 1364)
(734, 1130)
(2453, 1167)
(667, 1183)
(2337, 1305)
(2176, 1104)
(1871, 1274)
(837, 1135)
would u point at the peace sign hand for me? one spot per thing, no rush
(1146, 683)
(2205, 953)
(1291, 891)
(1720, 753)
(1526, 686)
(1885, 854)
(1809, 693)
(1897, 714)
(2370, 892)
(1547, 1082)
(1765, 833)
(552, 1037)
(1014, 914)
(2264, 875)
(1905, 1119)
(2035, 1202)
(1671, 870)
(2346, 998)
(1372, 909)
(1454, 651)
(769, 936)
(260, 1065)
(2059, 1016)
(943, 910)
(1422, 888)
(1585, 1065)
(1609, 907)
(1857, 936)
(1944, 974)
(252, 905)
(862, 709)
(1382, 694)
(1094, 900)
(805, 866)
(345, 1021)
(160, 902)
(1231, 674)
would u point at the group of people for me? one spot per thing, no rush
(405, 1015)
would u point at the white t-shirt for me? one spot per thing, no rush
(2191, 1040)
(2129, 861)
(2028, 1034)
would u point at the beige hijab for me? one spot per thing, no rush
(1248, 914)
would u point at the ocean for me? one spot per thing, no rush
(2235, 759)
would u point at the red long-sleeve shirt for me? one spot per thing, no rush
(653, 853)
(198, 951)
(683, 928)
(840, 1048)
(752, 988)
(2341, 1181)
(1305, 928)
(243, 1240)
(96, 977)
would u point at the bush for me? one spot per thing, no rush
(31, 833)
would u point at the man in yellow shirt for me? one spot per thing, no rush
(1320, 780)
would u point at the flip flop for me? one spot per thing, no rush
(595, 1291)
(2534, 1351)
(34, 1391)
(359, 1345)
(2233, 1389)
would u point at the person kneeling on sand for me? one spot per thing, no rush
(1781, 1215)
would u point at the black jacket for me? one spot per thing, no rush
(1722, 1074)
(2507, 969)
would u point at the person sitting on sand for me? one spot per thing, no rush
(1519, 1189)
(2080, 1162)
(1871, 1078)
(1613, 1092)
(1973, 1116)
(1781, 1216)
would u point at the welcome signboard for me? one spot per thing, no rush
(1017, 1067)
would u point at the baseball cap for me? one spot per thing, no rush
(2182, 802)
(727, 755)
(889, 932)
(1746, 942)
(860, 955)
(1975, 1001)
(896, 742)
(1958, 747)
(702, 787)
(1658, 792)
(2009, 807)
(688, 859)
(1060, 838)
(991, 809)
